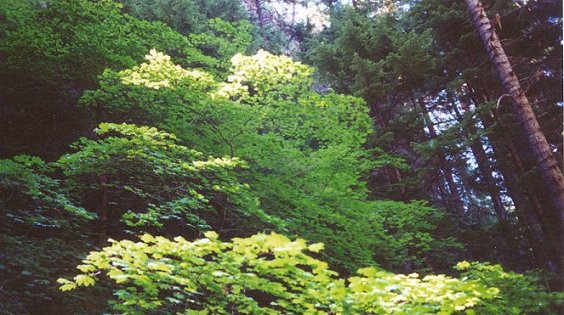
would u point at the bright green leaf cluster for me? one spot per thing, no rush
(268, 274)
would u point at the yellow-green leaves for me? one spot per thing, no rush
(84, 280)
(67, 285)
(265, 76)
(85, 268)
(316, 248)
(304, 149)
(160, 72)
(211, 235)
(263, 274)
(210, 274)
(147, 238)
(379, 292)
(463, 265)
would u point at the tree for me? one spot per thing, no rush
(547, 164)
(130, 179)
(267, 115)
(52, 53)
(467, 86)
(186, 16)
(374, 57)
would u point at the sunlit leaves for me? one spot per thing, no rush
(262, 274)
(265, 76)
(272, 274)
(160, 72)
(380, 292)
(66, 285)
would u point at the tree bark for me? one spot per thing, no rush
(544, 158)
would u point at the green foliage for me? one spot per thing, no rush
(271, 274)
(185, 16)
(216, 30)
(202, 137)
(519, 293)
(143, 168)
(36, 216)
(68, 43)
(412, 234)
(281, 88)
(304, 150)
(263, 274)
(371, 55)
(24, 181)
(292, 139)
(161, 93)
(222, 41)
(54, 50)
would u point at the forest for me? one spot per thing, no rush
(281, 157)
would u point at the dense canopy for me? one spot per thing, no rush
(281, 157)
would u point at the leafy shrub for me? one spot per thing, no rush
(271, 274)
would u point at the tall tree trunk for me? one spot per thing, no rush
(538, 231)
(547, 164)
(484, 167)
(455, 200)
